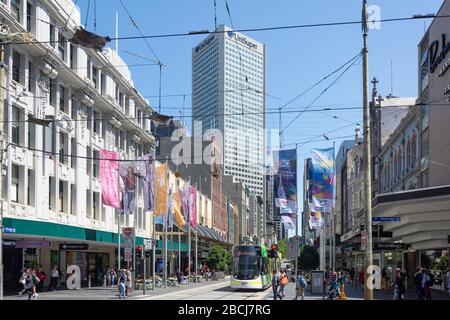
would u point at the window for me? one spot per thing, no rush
(52, 35)
(51, 199)
(94, 206)
(94, 77)
(88, 204)
(15, 9)
(15, 183)
(96, 163)
(29, 15)
(30, 187)
(62, 98)
(30, 76)
(73, 199)
(61, 46)
(15, 135)
(62, 144)
(89, 68)
(425, 150)
(96, 122)
(61, 196)
(16, 66)
(73, 158)
(414, 151)
(31, 135)
(72, 56)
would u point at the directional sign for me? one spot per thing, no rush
(385, 219)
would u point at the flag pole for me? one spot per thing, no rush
(189, 238)
(196, 237)
(165, 227)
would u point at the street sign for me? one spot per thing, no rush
(386, 219)
(389, 246)
(148, 244)
(73, 246)
(9, 230)
(127, 256)
(128, 233)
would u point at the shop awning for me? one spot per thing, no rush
(206, 232)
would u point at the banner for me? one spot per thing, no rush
(147, 171)
(315, 220)
(170, 210)
(128, 173)
(193, 206)
(161, 185)
(323, 178)
(285, 181)
(177, 209)
(109, 178)
(287, 221)
(184, 200)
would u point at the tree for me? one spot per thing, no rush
(283, 247)
(219, 258)
(309, 258)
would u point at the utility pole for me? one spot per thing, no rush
(2, 106)
(368, 291)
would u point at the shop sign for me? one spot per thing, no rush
(35, 244)
(9, 243)
(73, 246)
(9, 230)
(437, 57)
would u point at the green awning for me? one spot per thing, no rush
(172, 245)
(48, 229)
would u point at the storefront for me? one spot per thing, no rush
(42, 244)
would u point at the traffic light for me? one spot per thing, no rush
(139, 252)
(273, 251)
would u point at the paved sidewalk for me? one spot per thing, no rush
(356, 294)
(108, 293)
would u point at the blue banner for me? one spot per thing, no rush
(285, 181)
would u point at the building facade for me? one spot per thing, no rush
(228, 81)
(51, 188)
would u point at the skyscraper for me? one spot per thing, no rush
(228, 96)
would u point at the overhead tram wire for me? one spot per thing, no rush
(320, 95)
(302, 26)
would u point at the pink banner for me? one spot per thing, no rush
(109, 178)
(193, 205)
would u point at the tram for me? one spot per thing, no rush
(252, 268)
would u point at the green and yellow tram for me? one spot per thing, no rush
(252, 268)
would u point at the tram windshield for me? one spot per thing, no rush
(247, 262)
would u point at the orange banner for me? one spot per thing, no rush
(161, 185)
(177, 209)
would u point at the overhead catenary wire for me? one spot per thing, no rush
(260, 29)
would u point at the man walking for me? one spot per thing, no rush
(54, 278)
(121, 284)
(275, 284)
(418, 283)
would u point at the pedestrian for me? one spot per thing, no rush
(352, 275)
(275, 285)
(361, 279)
(301, 285)
(122, 283)
(112, 275)
(418, 283)
(40, 273)
(284, 280)
(54, 278)
(29, 286)
(427, 283)
(22, 280)
(399, 285)
(448, 281)
(341, 281)
(129, 282)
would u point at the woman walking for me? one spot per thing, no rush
(341, 281)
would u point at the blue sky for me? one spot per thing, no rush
(296, 58)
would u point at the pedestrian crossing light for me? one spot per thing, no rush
(139, 252)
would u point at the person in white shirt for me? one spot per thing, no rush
(54, 278)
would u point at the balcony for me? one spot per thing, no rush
(97, 140)
(96, 186)
(63, 172)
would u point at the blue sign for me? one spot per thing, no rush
(9, 230)
(385, 219)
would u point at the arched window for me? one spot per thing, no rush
(414, 151)
(401, 160)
